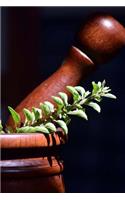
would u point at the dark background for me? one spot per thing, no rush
(34, 43)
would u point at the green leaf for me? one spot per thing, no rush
(50, 126)
(109, 95)
(1, 132)
(95, 87)
(1, 127)
(45, 108)
(63, 125)
(30, 129)
(15, 115)
(26, 129)
(66, 118)
(103, 83)
(79, 113)
(37, 113)
(78, 105)
(99, 84)
(81, 90)
(64, 97)
(42, 129)
(30, 117)
(9, 129)
(58, 101)
(74, 92)
(87, 93)
(98, 99)
(95, 106)
(106, 89)
(83, 101)
(50, 105)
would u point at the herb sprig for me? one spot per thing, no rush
(47, 118)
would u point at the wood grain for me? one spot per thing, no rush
(31, 140)
(31, 167)
(31, 162)
(32, 175)
(101, 38)
(76, 66)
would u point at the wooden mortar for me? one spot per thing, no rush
(30, 162)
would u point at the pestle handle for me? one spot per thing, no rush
(75, 67)
(97, 42)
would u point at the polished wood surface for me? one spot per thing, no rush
(39, 166)
(101, 37)
(30, 163)
(50, 184)
(39, 174)
(76, 66)
(31, 140)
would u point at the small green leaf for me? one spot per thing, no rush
(29, 116)
(74, 92)
(83, 101)
(95, 106)
(99, 84)
(58, 101)
(42, 129)
(95, 87)
(37, 112)
(109, 95)
(9, 129)
(50, 126)
(103, 83)
(98, 99)
(87, 93)
(78, 105)
(15, 115)
(45, 108)
(50, 105)
(79, 113)
(106, 89)
(81, 90)
(1, 127)
(66, 118)
(25, 129)
(64, 97)
(63, 125)
(30, 129)
(1, 132)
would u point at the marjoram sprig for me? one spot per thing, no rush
(47, 118)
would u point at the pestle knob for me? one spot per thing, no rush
(101, 37)
(98, 40)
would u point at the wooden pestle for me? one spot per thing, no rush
(98, 41)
